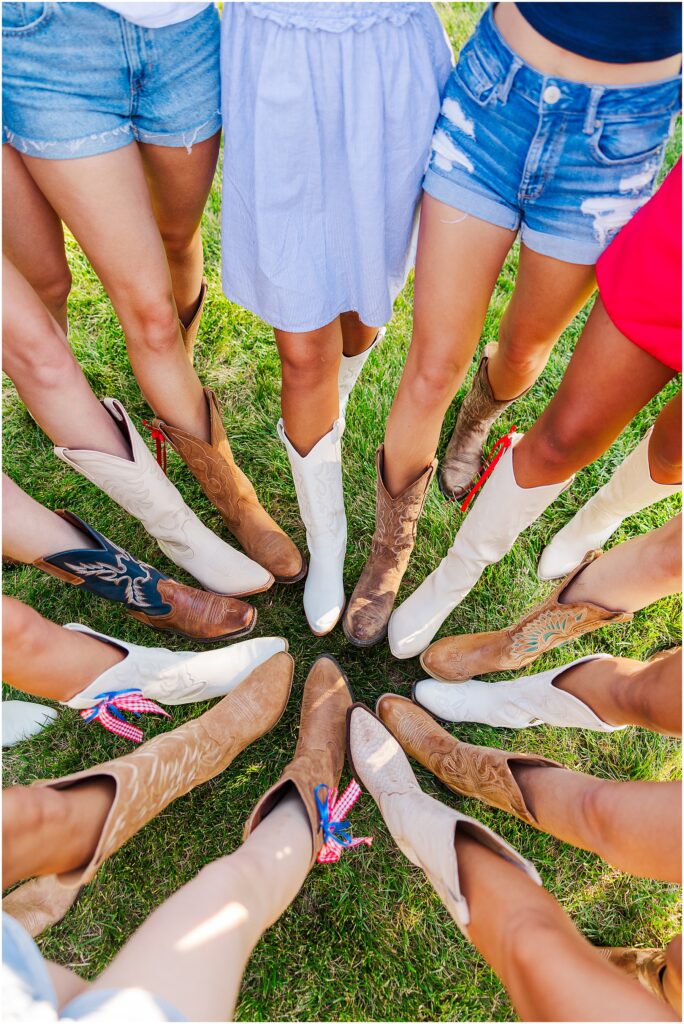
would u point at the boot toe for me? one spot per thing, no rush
(554, 565)
(365, 623)
(455, 478)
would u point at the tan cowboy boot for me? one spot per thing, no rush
(646, 966)
(368, 611)
(213, 466)
(189, 333)
(319, 755)
(480, 772)
(39, 903)
(464, 456)
(169, 766)
(547, 625)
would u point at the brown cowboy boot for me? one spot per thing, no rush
(480, 772)
(368, 611)
(160, 771)
(548, 625)
(319, 755)
(213, 466)
(189, 333)
(464, 456)
(646, 966)
(39, 903)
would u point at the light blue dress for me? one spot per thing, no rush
(328, 113)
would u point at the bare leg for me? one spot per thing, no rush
(42, 658)
(550, 971)
(193, 949)
(49, 381)
(458, 262)
(179, 184)
(106, 203)
(547, 296)
(607, 382)
(356, 336)
(634, 574)
(665, 444)
(30, 531)
(310, 398)
(32, 236)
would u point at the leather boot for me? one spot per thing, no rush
(319, 755)
(396, 519)
(147, 594)
(213, 466)
(350, 370)
(644, 965)
(464, 456)
(40, 903)
(480, 772)
(22, 719)
(169, 766)
(189, 333)
(547, 625)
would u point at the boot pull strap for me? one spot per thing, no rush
(502, 444)
(334, 826)
(160, 441)
(109, 708)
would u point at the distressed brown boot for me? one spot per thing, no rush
(371, 604)
(646, 966)
(213, 466)
(160, 771)
(549, 624)
(189, 333)
(480, 772)
(464, 457)
(320, 751)
(40, 903)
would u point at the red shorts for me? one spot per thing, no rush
(640, 275)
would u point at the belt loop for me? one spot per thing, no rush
(597, 92)
(506, 85)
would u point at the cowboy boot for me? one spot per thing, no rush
(464, 456)
(148, 595)
(423, 828)
(350, 370)
(141, 487)
(226, 486)
(513, 704)
(546, 626)
(630, 489)
(319, 755)
(22, 719)
(647, 966)
(189, 333)
(396, 519)
(318, 482)
(170, 765)
(502, 511)
(480, 772)
(40, 903)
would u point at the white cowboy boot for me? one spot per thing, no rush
(423, 828)
(175, 677)
(502, 511)
(350, 370)
(514, 704)
(142, 488)
(22, 719)
(318, 483)
(630, 489)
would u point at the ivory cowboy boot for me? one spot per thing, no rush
(350, 370)
(546, 626)
(480, 772)
(514, 704)
(22, 719)
(319, 755)
(424, 829)
(189, 333)
(396, 519)
(502, 511)
(318, 482)
(213, 466)
(630, 489)
(140, 487)
(464, 456)
(148, 595)
(167, 767)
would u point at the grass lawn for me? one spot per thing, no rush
(366, 939)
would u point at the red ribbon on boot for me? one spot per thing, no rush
(502, 444)
(110, 705)
(160, 442)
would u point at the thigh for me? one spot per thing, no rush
(179, 182)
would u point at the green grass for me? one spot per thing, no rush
(366, 939)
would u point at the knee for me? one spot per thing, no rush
(560, 448)
(527, 931)
(20, 626)
(665, 462)
(152, 323)
(41, 357)
(597, 810)
(667, 551)
(433, 383)
(53, 288)
(308, 364)
(522, 349)
(179, 241)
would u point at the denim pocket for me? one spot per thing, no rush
(23, 18)
(630, 140)
(476, 78)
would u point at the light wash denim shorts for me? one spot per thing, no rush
(566, 163)
(80, 80)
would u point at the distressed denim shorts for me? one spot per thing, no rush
(80, 80)
(566, 163)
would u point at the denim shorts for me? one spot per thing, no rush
(567, 163)
(80, 80)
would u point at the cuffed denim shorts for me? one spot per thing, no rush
(566, 163)
(80, 80)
